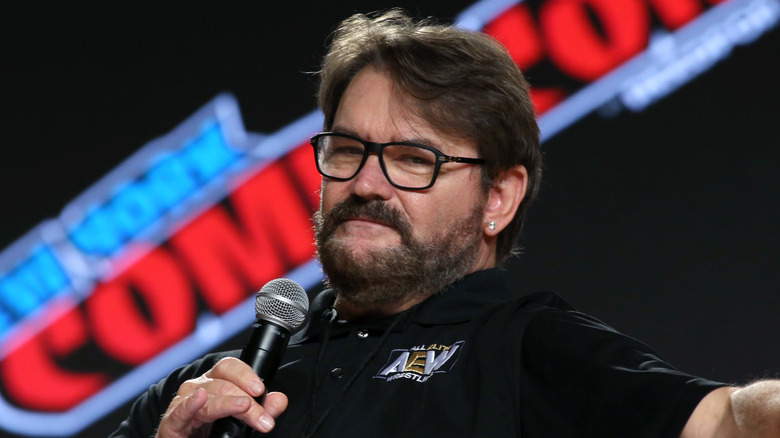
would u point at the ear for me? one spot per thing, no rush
(504, 197)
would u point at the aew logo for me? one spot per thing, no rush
(420, 363)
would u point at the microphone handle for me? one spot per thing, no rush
(263, 353)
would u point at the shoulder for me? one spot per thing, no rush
(536, 309)
(576, 366)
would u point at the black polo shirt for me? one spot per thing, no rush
(471, 361)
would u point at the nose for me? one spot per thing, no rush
(371, 182)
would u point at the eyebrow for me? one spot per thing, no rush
(414, 140)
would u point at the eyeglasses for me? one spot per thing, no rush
(407, 166)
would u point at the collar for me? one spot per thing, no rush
(458, 302)
(466, 298)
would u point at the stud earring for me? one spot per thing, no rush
(492, 225)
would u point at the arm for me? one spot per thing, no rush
(752, 411)
(227, 389)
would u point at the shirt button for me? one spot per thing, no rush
(337, 372)
(362, 333)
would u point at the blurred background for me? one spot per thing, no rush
(658, 212)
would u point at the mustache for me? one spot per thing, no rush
(357, 207)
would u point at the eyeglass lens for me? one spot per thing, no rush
(407, 166)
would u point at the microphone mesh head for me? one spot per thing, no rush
(282, 301)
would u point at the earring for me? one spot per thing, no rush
(492, 225)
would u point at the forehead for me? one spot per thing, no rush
(374, 108)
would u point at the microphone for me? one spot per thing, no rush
(280, 310)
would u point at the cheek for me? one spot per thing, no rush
(427, 213)
(434, 212)
(331, 194)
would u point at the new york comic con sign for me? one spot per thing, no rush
(158, 262)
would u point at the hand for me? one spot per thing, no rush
(227, 389)
(752, 411)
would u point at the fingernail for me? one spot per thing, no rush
(267, 422)
(256, 387)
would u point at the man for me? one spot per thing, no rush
(430, 156)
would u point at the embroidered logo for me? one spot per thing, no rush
(420, 363)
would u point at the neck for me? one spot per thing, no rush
(353, 312)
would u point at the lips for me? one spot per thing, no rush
(357, 210)
(368, 219)
(363, 228)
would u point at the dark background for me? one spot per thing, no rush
(661, 223)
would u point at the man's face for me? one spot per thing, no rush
(379, 244)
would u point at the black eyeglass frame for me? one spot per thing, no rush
(377, 148)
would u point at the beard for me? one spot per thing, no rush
(387, 275)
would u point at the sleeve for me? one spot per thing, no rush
(148, 409)
(583, 378)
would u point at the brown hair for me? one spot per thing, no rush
(463, 83)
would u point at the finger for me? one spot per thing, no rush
(180, 419)
(262, 418)
(275, 403)
(198, 409)
(224, 406)
(257, 417)
(225, 399)
(238, 373)
(231, 376)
